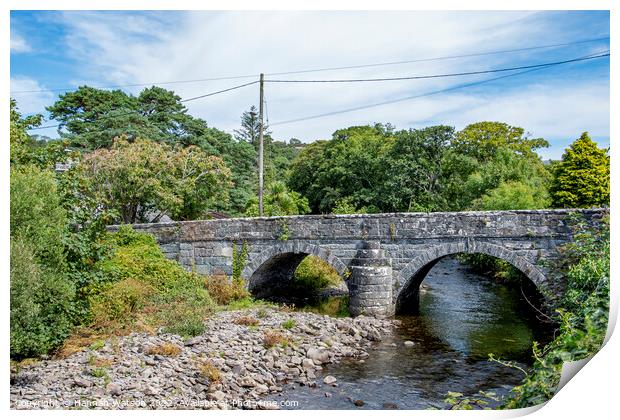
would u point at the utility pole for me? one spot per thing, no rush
(260, 149)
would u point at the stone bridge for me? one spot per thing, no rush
(382, 257)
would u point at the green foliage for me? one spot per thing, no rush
(376, 169)
(135, 179)
(36, 214)
(314, 274)
(279, 201)
(289, 324)
(458, 401)
(239, 259)
(41, 294)
(513, 195)
(349, 165)
(414, 169)
(583, 319)
(148, 289)
(581, 179)
(482, 139)
(484, 186)
(27, 150)
(41, 303)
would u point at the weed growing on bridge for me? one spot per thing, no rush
(239, 259)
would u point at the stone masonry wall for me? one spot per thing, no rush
(409, 241)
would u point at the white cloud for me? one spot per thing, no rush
(30, 102)
(124, 48)
(19, 44)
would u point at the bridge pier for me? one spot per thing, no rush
(370, 283)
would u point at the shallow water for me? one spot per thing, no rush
(462, 318)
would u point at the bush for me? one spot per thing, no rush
(223, 291)
(314, 274)
(37, 215)
(41, 304)
(41, 293)
(148, 289)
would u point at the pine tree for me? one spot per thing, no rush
(581, 179)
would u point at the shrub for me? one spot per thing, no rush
(119, 303)
(314, 274)
(149, 289)
(41, 304)
(41, 295)
(37, 216)
(223, 291)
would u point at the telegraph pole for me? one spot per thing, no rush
(260, 149)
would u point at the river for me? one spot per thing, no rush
(462, 318)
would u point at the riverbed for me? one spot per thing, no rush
(462, 318)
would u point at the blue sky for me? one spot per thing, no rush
(54, 49)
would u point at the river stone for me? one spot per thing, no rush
(193, 341)
(113, 388)
(246, 382)
(408, 343)
(318, 356)
(329, 380)
(217, 396)
(308, 364)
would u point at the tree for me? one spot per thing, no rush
(92, 118)
(414, 172)
(581, 179)
(279, 201)
(250, 128)
(144, 180)
(26, 149)
(348, 165)
(482, 139)
(513, 195)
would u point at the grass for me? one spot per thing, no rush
(99, 372)
(335, 306)
(289, 324)
(165, 349)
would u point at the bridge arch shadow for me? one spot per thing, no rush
(411, 277)
(274, 267)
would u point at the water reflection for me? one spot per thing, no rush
(462, 318)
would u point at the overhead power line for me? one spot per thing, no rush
(435, 76)
(447, 57)
(432, 93)
(358, 66)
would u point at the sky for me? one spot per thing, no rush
(56, 51)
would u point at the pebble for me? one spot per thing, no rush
(329, 380)
(246, 369)
(408, 343)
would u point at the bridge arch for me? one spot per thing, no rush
(412, 275)
(276, 265)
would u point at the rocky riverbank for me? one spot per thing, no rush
(243, 360)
